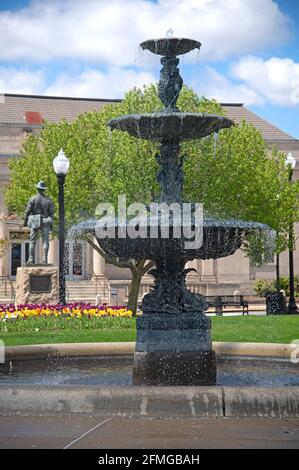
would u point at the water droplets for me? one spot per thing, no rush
(169, 33)
(215, 143)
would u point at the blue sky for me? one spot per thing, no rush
(249, 54)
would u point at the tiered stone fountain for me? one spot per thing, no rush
(173, 335)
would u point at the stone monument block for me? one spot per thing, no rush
(37, 284)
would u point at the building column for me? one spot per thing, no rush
(208, 271)
(3, 259)
(53, 252)
(98, 263)
(99, 277)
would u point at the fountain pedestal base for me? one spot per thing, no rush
(174, 350)
(189, 368)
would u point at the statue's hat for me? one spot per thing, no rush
(41, 185)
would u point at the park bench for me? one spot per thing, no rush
(222, 301)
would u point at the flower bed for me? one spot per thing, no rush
(72, 310)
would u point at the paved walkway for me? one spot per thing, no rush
(91, 432)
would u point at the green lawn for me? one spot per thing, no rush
(272, 329)
(69, 336)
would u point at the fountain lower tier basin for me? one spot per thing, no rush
(171, 125)
(219, 238)
(117, 371)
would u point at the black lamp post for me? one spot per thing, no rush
(61, 166)
(292, 308)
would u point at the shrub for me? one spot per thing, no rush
(263, 286)
(285, 285)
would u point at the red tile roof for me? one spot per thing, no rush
(13, 107)
(238, 113)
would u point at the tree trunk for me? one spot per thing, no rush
(138, 269)
(134, 290)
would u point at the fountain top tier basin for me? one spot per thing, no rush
(170, 47)
(170, 125)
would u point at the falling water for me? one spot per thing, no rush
(144, 59)
(215, 143)
(193, 56)
(109, 138)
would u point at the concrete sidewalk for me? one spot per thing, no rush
(90, 432)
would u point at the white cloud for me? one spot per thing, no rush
(13, 80)
(215, 85)
(94, 84)
(108, 31)
(90, 83)
(275, 79)
(254, 81)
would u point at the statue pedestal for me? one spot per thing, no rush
(174, 350)
(37, 284)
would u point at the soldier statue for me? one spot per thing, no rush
(39, 217)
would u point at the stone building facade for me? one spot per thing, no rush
(87, 273)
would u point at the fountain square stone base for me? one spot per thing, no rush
(174, 350)
(189, 368)
(37, 284)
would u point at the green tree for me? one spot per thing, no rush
(236, 175)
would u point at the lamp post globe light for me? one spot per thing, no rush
(61, 166)
(290, 163)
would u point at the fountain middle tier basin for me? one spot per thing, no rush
(170, 125)
(220, 238)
